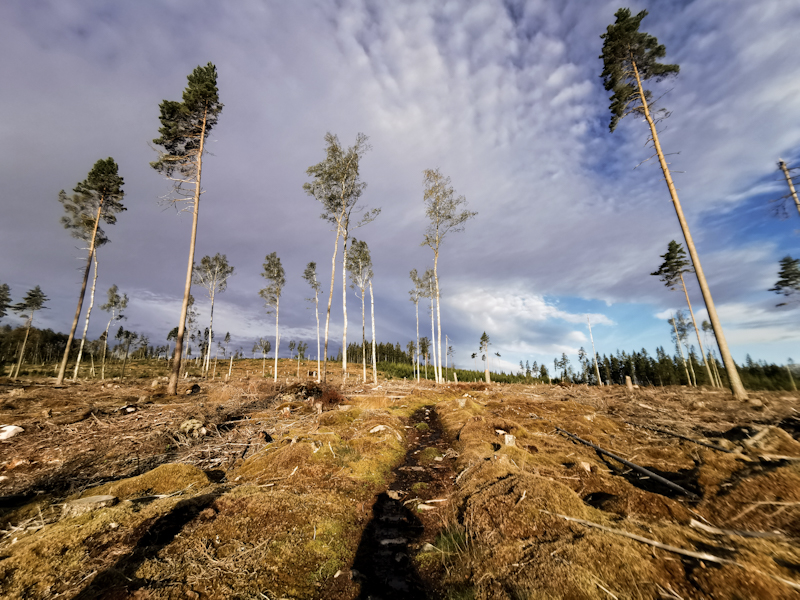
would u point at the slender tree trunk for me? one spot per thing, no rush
(416, 350)
(697, 332)
(62, 369)
(594, 354)
(330, 301)
(785, 170)
(216, 354)
(86, 323)
(24, 341)
(316, 311)
(680, 349)
(125, 359)
(176, 359)
(691, 367)
(733, 375)
(433, 337)
(210, 334)
(344, 306)
(791, 379)
(363, 336)
(438, 354)
(277, 337)
(263, 365)
(105, 345)
(374, 357)
(230, 368)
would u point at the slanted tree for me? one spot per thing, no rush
(34, 300)
(310, 275)
(213, 274)
(360, 268)
(792, 192)
(274, 273)
(677, 339)
(115, 305)
(484, 350)
(630, 57)
(337, 186)
(444, 210)
(5, 299)
(788, 282)
(671, 273)
(710, 357)
(417, 292)
(96, 198)
(184, 128)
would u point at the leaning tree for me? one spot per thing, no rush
(34, 300)
(184, 128)
(338, 187)
(274, 273)
(96, 198)
(444, 210)
(671, 273)
(213, 274)
(630, 57)
(788, 282)
(115, 305)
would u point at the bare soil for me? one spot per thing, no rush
(244, 490)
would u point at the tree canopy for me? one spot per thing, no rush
(788, 277)
(626, 53)
(274, 273)
(674, 265)
(34, 300)
(5, 299)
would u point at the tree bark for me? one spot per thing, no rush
(594, 354)
(785, 170)
(697, 332)
(344, 307)
(172, 389)
(316, 311)
(416, 350)
(62, 369)
(277, 337)
(210, 334)
(374, 350)
(438, 319)
(733, 375)
(330, 300)
(86, 323)
(363, 337)
(433, 343)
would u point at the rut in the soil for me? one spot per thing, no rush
(398, 526)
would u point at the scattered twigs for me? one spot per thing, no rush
(634, 466)
(690, 553)
(751, 534)
(683, 437)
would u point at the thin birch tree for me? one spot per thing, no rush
(274, 273)
(213, 274)
(416, 293)
(337, 186)
(444, 210)
(310, 275)
(673, 322)
(360, 268)
(86, 321)
(374, 349)
(115, 305)
(430, 292)
(96, 198)
(184, 128)
(671, 272)
(34, 300)
(630, 57)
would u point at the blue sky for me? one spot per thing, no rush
(503, 97)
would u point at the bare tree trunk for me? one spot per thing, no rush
(86, 323)
(433, 336)
(344, 308)
(230, 368)
(176, 359)
(680, 349)
(791, 379)
(216, 354)
(697, 332)
(416, 350)
(125, 360)
(277, 337)
(785, 170)
(330, 300)
(363, 337)
(316, 311)
(22, 351)
(691, 367)
(374, 350)
(62, 369)
(210, 337)
(438, 355)
(105, 345)
(733, 375)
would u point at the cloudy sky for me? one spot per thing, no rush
(503, 96)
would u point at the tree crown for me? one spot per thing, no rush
(442, 207)
(34, 300)
(627, 50)
(360, 264)
(310, 275)
(674, 265)
(788, 277)
(5, 299)
(213, 273)
(102, 189)
(274, 273)
(116, 303)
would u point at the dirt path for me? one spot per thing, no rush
(407, 516)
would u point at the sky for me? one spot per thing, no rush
(504, 97)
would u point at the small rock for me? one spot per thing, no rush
(9, 431)
(88, 504)
(509, 440)
(394, 494)
(461, 403)
(586, 467)
(113, 525)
